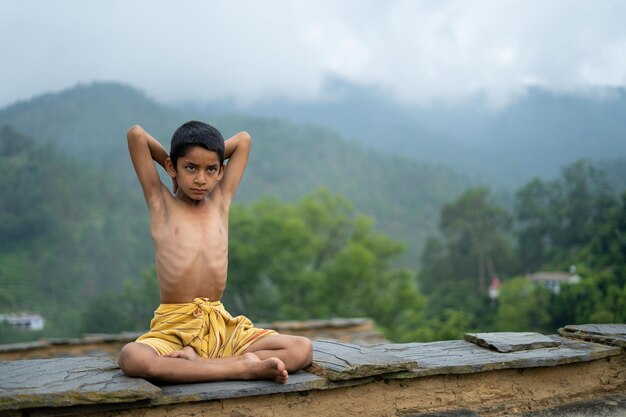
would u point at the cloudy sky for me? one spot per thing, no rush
(421, 52)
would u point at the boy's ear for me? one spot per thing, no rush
(170, 168)
(221, 174)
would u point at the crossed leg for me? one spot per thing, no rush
(294, 351)
(140, 360)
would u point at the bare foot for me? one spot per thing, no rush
(271, 368)
(185, 353)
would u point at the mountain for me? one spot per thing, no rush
(89, 123)
(73, 222)
(533, 136)
(68, 232)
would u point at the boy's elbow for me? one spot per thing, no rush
(134, 132)
(245, 136)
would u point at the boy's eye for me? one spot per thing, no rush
(190, 168)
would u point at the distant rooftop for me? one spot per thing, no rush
(553, 280)
(24, 320)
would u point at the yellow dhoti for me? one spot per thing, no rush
(204, 325)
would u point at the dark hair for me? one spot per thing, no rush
(195, 133)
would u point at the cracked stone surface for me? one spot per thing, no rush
(183, 393)
(68, 381)
(610, 334)
(511, 341)
(462, 357)
(342, 361)
(95, 383)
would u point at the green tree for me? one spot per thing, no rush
(556, 219)
(474, 226)
(68, 232)
(523, 306)
(475, 240)
(598, 298)
(316, 258)
(607, 248)
(576, 220)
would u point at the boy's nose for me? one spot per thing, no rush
(200, 179)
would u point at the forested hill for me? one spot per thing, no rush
(74, 227)
(68, 232)
(89, 122)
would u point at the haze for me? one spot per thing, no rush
(417, 52)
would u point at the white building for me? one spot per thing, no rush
(553, 280)
(25, 321)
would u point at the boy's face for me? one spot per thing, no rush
(197, 172)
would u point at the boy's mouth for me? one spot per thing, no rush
(198, 190)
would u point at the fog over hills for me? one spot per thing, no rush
(73, 206)
(396, 163)
(504, 147)
(89, 123)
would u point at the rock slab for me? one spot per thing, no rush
(343, 361)
(609, 334)
(462, 357)
(506, 342)
(68, 382)
(188, 393)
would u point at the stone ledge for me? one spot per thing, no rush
(68, 382)
(65, 386)
(611, 334)
(461, 357)
(342, 361)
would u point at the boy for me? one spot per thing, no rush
(192, 337)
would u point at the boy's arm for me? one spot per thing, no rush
(144, 151)
(236, 150)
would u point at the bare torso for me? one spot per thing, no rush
(191, 243)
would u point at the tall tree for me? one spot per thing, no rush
(607, 247)
(558, 218)
(474, 242)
